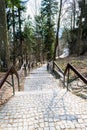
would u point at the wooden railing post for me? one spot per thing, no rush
(11, 71)
(13, 85)
(68, 78)
(53, 67)
(18, 84)
(64, 81)
(25, 70)
(48, 66)
(67, 71)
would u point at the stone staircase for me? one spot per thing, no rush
(43, 105)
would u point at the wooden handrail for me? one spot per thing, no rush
(11, 71)
(66, 69)
(69, 66)
(58, 68)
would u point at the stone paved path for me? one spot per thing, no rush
(44, 105)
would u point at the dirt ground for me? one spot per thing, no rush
(7, 91)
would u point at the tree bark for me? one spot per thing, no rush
(79, 41)
(14, 46)
(4, 50)
(20, 34)
(57, 34)
(74, 13)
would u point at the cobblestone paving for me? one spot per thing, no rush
(44, 106)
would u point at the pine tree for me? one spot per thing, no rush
(48, 11)
(4, 53)
(14, 21)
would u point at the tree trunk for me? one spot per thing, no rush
(14, 46)
(57, 34)
(74, 14)
(20, 36)
(4, 51)
(79, 41)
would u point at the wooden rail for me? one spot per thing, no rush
(67, 71)
(55, 64)
(11, 71)
(68, 67)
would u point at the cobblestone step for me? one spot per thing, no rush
(44, 106)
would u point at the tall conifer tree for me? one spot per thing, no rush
(48, 10)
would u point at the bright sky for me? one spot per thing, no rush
(31, 5)
(34, 5)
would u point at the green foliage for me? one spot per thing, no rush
(48, 11)
(29, 38)
(14, 23)
(12, 3)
